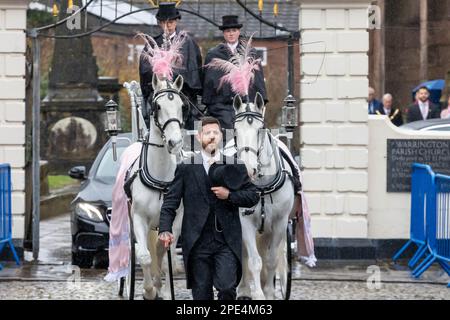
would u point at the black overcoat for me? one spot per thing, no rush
(397, 120)
(190, 69)
(189, 185)
(211, 92)
(414, 113)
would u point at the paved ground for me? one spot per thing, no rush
(52, 277)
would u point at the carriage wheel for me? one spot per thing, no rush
(286, 274)
(131, 277)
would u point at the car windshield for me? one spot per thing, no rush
(107, 169)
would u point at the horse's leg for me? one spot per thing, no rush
(271, 256)
(263, 243)
(143, 254)
(244, 289)
(177, 268)
(254, 260)
(161, 255)
(156, 262)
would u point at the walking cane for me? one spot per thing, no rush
(169, 262)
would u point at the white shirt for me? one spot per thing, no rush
(233, 46)
(424, 107)
(387, 111)
(208, 160)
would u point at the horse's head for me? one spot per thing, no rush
(167, 111)
(248, 134)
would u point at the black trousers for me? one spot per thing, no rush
(212, 263)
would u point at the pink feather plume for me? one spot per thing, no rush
(164, 61)
(239, 71)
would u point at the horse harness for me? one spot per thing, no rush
(280, 176)
(144, 174)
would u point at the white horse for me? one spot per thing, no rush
(164, 142)
(262, 249)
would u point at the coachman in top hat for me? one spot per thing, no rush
(219, 99)
(168, 16)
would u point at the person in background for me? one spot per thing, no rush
(394, 114)
(445, 114)
(423, 108)
(374, 104)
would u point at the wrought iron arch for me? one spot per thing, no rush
(35, 33)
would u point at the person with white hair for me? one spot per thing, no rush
(394, 114)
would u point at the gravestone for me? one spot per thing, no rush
(72, 113)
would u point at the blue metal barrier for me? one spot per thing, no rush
(438, 227)
(5, 211)
(421, 180)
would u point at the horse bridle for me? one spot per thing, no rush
(251, 116)
(155, 107)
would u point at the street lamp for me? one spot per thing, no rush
(289, 118)
(289, 114)
(112, 124)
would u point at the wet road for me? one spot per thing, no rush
(53, 277)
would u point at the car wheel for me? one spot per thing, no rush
(101, 261)
(83, 260)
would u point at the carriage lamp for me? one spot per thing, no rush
(112, 124)
(289, 114)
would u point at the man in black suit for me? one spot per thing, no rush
(211, 229)
(423, 109)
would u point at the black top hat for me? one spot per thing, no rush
(230, 22)
(231, 176)
(167, 11)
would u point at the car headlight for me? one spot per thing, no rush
(89, 211)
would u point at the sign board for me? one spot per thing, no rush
(402, 153)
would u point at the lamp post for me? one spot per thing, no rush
(112, 124)
(289, 117)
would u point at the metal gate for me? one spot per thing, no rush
(82, 9)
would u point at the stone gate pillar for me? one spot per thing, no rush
(13, 14)
(333, 108)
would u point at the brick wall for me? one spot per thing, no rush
(334, 132)
(402, 47)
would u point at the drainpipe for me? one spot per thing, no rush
(36, 142)
(423, 40)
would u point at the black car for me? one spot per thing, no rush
(91, 208)
(428, 125)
